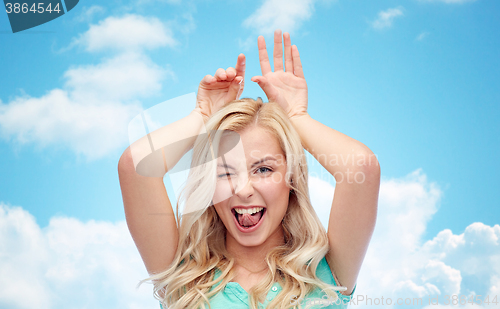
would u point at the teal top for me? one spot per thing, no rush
(235, 297)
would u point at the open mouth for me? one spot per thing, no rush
(248, 217)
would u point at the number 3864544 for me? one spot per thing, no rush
(37, 8)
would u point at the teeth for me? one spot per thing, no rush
(251, 211)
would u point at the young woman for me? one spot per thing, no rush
(248, 236)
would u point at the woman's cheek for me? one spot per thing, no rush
(223, 190)
(277, 178)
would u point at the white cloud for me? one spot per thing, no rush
(69, 264)
(92, 129)
(399, 264)
(88, 13)
(286, 15)
(321, 193)
(20, 241)
(412, 193)
(422, 36)
(386, 18)
(124, 76)
(90, 113)
(184, 23)
(247, 43)
(129, 32)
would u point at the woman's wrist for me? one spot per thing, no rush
(197, 111)
(298, 115)
(298, 119)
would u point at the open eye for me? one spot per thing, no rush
(263, 170)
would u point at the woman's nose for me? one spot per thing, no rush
(244, 187)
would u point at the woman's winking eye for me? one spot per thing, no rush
(222, 175)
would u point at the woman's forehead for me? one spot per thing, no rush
(253, 142)
(252, 146)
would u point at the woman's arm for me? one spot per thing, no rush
(354, 207)
(352, 164)
(148, 210)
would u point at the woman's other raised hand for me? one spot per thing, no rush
(216, 91)
(285, 86)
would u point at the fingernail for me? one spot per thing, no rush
(240, 81)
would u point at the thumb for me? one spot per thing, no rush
(207, 80)
(266, 86)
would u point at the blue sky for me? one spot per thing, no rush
(417, 81)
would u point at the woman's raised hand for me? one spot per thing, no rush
(216, 91)
(286, 87)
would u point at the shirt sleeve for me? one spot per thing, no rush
(325, 274)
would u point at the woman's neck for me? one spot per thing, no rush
(253, 258)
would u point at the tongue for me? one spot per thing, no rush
(248, 219)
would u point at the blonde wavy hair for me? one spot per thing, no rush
(201, 249)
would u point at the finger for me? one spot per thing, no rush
(278, 51)
(265, 66)
(240, 66)
(220, 74)
(234, 89)
(268, 89)
(208, 79)
(297, 65)
(288, 52)
(230, 73)
(240, 91)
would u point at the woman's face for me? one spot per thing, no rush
(251, 195)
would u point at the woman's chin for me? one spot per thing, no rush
(248, 240)
(251, 244)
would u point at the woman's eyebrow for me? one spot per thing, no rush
(225, 166)
(262, 160)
